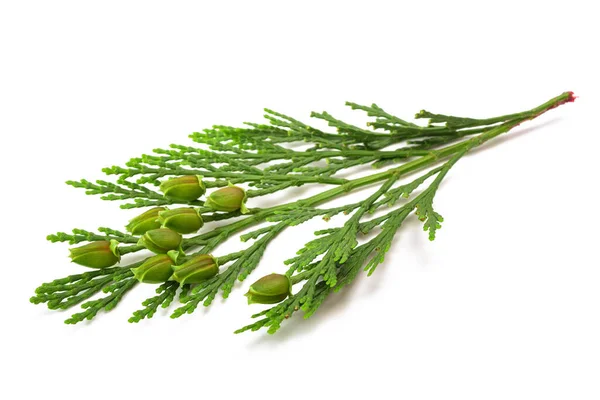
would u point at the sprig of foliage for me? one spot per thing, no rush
(81, 235)
(259, 157)
(342, 260)
(236, 154)
(64, 293)
(224, 281)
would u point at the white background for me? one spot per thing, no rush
(505, 304)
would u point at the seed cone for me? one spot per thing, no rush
(181, 220)
(183, 188)
(145, 222)
(100, 254)
(196, 270)
(161, 240)
(270, 289)
(230, 198)
(156, 269)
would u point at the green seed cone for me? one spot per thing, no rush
(100, 254)
(145, 222)
(182, 220)
(230, 198)
(161, 240)
(184, 188)
(270, 289)
(196, 270)
(156, 269)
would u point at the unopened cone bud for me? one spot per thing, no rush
(156, 269)
(183, 188)
(182, 220)
(161, 240)
(145, 222)
(230, 198)
(100, 254)
(270, 289)
(196, 270)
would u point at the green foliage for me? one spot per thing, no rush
(342, 260)
(67, 292)
(264, 159)
(81, 235)
(116, 292)
(165, 295)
